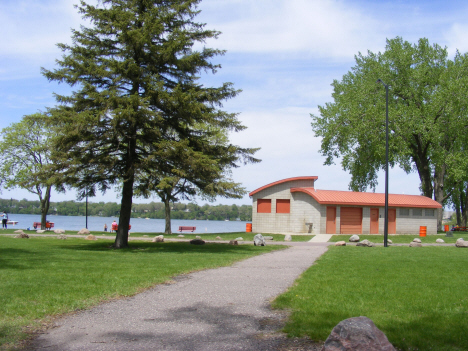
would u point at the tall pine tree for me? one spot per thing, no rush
(136, 72)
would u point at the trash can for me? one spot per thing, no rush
(446, 228)
(248, 227)
(422, 231)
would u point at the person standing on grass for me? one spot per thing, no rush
(105, 227)
(4, 220)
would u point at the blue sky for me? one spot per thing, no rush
(283, 54)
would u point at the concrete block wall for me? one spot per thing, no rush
(283, 222)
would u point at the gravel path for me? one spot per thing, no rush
(218, 309)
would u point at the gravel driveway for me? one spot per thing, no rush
(226, 308)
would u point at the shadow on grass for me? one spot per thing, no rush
(171, 247)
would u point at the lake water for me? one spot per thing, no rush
(72, 223)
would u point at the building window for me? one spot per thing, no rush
(264, 206)
(429, 213)
(417, 212)
(282, 206)
(404, 211)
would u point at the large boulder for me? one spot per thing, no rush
(268, 237)
(197, 242)
(19, 231)
(83, 231)
(239, 239)
(440, 241)
(357, 334)
(233, 242)
(259, 240)
(340, 243)
(158, 239)
(287, 237)
(62, 237)
(461, 243)
(90, 237)
(40, 231)
(59, 231)
(365, 243)
(416, 240)
(354, 238)
(415, 244)
(22, 236)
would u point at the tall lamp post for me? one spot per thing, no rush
(386, 163)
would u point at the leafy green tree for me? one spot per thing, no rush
(136, 72)
(25, 157)
(427, 110)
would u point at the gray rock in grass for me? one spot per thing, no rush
(461, 243)
(233, 242)
(357, 334)
(197, 242)
(239, 239)
(354, 238)
(440, 241)
(416, 240)
(259, 240)
(158, 239)
(287, 237)
(22, 236)
(340, 243)
(267, 237)
(83, 231)
(59, 231)
(415, 244)
(365, 243)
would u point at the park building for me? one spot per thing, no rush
(294, 205)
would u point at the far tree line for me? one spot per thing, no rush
(150, 210)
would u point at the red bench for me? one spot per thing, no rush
(460, 229)
(187, 228)
(48, 225)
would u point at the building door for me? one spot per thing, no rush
(374, 221)
(351, 220)
(391, 221)
(331, 220)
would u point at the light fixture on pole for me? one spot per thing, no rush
(386, 163)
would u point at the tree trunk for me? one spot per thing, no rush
(464, 206)
(167, 213)
(45, 204)
(439, 194)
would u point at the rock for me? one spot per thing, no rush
(366, 243)
(461, 243)
(22, 236)
(84, 231)
(389, 241)
(416, 240)
(268, 237)
(440, 241)
(233, 242)
(40, 231)
(19, 231)
(287, 237)
(354, 238)
(259, 240)
(357, 334)
(415, 244)
(239, 239)
(59, 231)
(90, 237)
(340, 243)
(158, 239)
(198, 237)
(218, 238)
(197, 242)
(181, 236)
(62, 237)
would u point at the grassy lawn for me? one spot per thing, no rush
(405, 239)
(43, 277)
(416, 296)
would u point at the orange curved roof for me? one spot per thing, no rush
(283, 181)
(335, 197)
